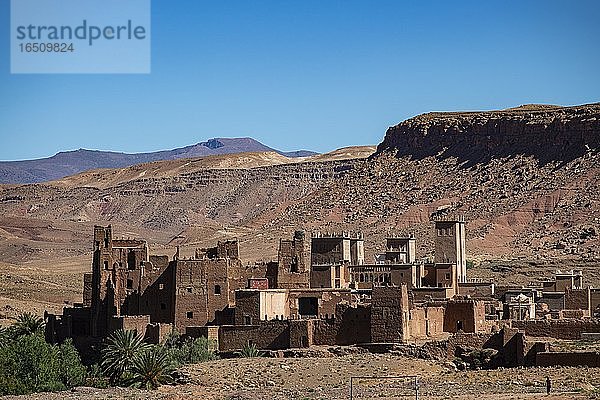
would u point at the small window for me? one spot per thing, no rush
(129, 283)
(189, 289)
(106, 242)
(161, 286)
(163, 306)
(217, 289)
(294, 265)
(105, 264)
(247, 320)
(189, 314)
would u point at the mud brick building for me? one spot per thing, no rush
(318, 291)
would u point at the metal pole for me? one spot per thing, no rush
(416, 388)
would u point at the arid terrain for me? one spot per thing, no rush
(324, 376)
(526, 179)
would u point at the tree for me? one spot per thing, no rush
(152, 369)
(28, 324)
(121, 351)
(72, 371)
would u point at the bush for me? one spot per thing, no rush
(95, 377)
(119, 354)
(29, 364)
(151, 369)
(249, 350)
(72, 371)
(191, 351)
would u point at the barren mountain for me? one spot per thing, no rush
(73, 162)
(527, 181)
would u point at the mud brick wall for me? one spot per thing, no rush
(389, 314)
(293, 271)
(301, 333)
(426, 321)
(239, 275)
(200, 291)
(571, 359)
(272, 335)
(247, 305)
(157, 333)
(595, 300)
(577, 299)
(559, 329)
(328, 299)
(158, 288)
(351, 325)
(87, 289)
(470, 314)
(136, 323)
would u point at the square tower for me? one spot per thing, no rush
(450, 246)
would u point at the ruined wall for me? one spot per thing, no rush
(136, 323)
(87, 289)
(350, 325)
(426, 322)
(578, 299)
(272, 335)
(327, 300)
(595, 301)
(389, 314)
(293, 271)
(465, 315)
(559, 329)
(157, 333)
(247, 307)
(571, 359)
(476, 289)
(158, 288)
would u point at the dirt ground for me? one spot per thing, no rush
(329, 378)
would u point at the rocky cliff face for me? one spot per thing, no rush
(546, 132)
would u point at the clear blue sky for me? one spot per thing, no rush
(312, 75)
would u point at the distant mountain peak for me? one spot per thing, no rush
(72, 162)
(213, 143)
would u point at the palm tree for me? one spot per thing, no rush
(28, 324)
(120, 352)
(152, 369)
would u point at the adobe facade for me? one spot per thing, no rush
(320, 290)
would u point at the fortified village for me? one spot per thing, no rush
(322, 291)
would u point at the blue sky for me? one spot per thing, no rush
(315, 75)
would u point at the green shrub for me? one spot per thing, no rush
(119, 354)
(249, 350)
(95, 377)
(191, 351)
(151, 369)
(72, 371)
(29, 364)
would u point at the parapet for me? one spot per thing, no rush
(337, 235)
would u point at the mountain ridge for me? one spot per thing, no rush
(66, 163)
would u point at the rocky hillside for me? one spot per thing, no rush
(527, 181)
(548, 133)
(72, 162)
